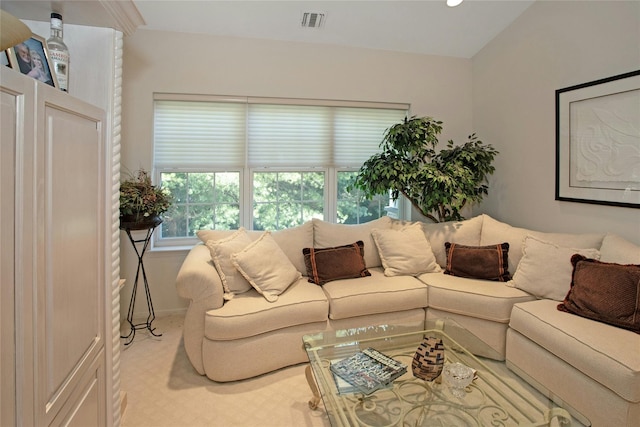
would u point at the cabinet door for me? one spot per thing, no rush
(71, 255)
(9, 116)
(16, 143)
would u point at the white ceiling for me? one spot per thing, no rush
(426, 26)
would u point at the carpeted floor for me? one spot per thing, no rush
(163, 389)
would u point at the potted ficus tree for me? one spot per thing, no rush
(141, 202)
(438, 183)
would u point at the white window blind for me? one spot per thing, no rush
(268, 133)
(359, 131)
(289, 135)
(193, 134)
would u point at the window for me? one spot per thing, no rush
(286, 199)
(263, 163)
(352, 207)
(201, 200)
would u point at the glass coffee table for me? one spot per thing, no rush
(492, 399)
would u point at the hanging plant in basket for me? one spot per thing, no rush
(141, 202)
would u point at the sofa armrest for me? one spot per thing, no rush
(198, 278)
(198, 281)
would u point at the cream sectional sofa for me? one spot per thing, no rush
(589, 367)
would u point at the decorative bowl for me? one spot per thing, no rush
(457, 376)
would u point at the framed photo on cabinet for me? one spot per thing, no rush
(31, 58)
(4, 59)
(598, 141)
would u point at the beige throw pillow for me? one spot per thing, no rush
(405, 252)
(545, 268)
(291, 240)
(221, 250)
(465, 232)
(266, 267)
(328, 235)
(616, 249)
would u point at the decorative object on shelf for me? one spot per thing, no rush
(31, 58)
(141, 202)
(597, 141)
(429, 359)
(59, 52)
(438, 184)
(457, 376)
(12, 30)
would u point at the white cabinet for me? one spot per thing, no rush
(94, 34)
(56, 241)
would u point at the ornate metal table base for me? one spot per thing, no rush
(419, 403)
(315, 400)
(149, 227)
(492, 399)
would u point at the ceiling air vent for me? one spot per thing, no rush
(312, 19)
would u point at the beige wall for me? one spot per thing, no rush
(553, 45)
(183, 63)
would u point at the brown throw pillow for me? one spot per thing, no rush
(478, 262)
(340, 262)
(606, 292)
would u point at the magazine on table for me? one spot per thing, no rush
(367, 370)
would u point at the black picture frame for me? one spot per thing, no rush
(35, 48)
(598, 141)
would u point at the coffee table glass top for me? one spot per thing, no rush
(492, 399)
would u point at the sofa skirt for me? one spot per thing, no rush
(587, 400)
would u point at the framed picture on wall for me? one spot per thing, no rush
(31, 58)
(598, 141)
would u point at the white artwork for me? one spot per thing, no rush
(598, 141)
(605, 141)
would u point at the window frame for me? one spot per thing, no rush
(249, 208)
(246, 171)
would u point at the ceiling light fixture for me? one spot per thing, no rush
(453, 3)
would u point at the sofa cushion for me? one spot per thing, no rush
(374, 294)
(545, 269)
(405, 251)
(221, 250)
(478, 262)
(327, 234)
(482, 299)
(606, 292)
(465, 232)
(249, 314)
(340, 262)
(604, 353)
(494, 231)
(266, 267)
(616, 249)
(291, 240)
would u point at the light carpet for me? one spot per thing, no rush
(163, 389)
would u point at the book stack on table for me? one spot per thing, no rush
(366, 371)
